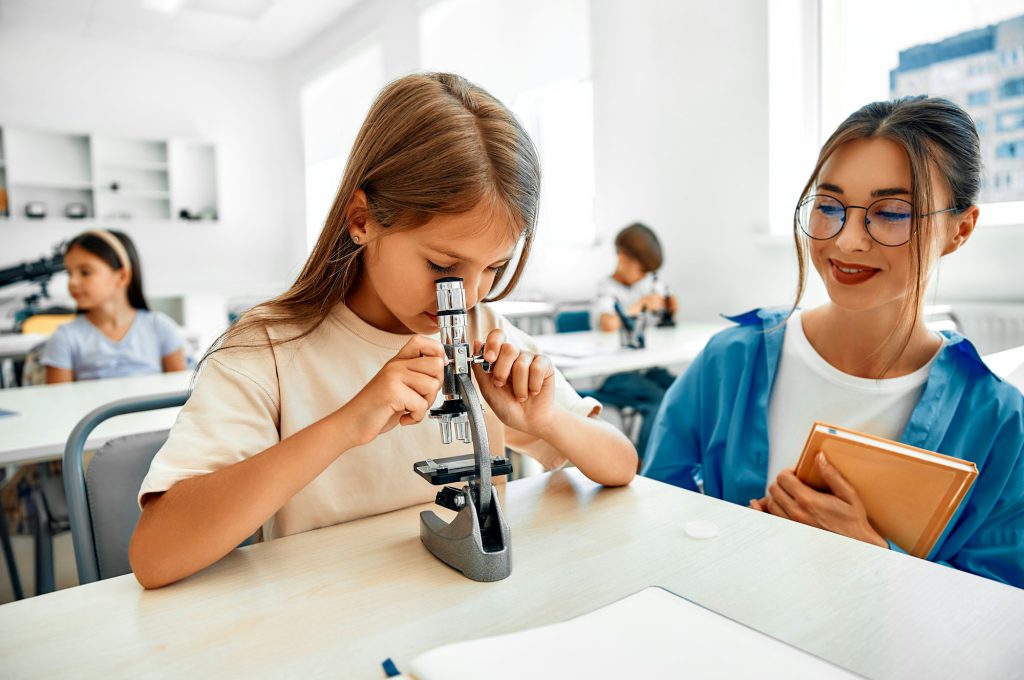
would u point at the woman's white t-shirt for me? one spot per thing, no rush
(246, 400)
(808, 388)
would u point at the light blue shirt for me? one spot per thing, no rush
(712, 432)
(90, 354)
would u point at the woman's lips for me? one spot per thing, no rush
(851, 274)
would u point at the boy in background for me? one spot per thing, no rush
(635, 287)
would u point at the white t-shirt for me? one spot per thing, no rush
(247, 400)
(611, 290)
(808, 388)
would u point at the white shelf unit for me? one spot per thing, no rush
(49, 168)
(118, 179)
(131, 179)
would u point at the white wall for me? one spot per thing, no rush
(75, 84)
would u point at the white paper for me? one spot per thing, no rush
(652, 633)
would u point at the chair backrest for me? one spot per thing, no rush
(45, 323)
(572, 320)
(102, 505)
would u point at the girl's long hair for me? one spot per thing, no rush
(938, 136)
(432, 144)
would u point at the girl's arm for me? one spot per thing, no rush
(175, 361)
(521, 391)
(200, 519)
(597, 448)
(59, 375)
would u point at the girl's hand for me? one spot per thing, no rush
(840, 511)
(520, 387)
(402, 391)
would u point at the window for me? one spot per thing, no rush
(1011, 88)
(1010, 120)
(980, 98)
(943, 48)
(1010, 150)
(545, 81)
(334, 105)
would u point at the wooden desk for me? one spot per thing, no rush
(586, 354)
(46, 414)
(336, 602)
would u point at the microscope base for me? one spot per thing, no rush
(480, 553)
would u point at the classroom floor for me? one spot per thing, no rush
(65, 573)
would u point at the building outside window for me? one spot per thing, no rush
(965, 68)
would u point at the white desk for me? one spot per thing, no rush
(46, 414)
(1008, 365)
(336, 602)
(530, 315)
(592, 353)
(17, 345)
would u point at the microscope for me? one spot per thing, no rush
(632, 329)
(476, 542)
(37, 272)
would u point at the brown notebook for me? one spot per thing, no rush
(910, 494)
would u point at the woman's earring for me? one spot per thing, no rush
(356, 239)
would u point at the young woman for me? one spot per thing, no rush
(114, 334)
(893, 191)
(312, 410)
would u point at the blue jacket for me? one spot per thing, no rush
(711, 433)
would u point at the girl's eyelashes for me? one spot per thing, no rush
(434, 267)
(439, 269)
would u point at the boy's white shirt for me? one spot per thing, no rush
(247, 400)
(611, 290)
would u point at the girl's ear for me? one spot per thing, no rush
(357, 216)
(966, 222)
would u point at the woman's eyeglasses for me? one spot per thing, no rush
(888, 220)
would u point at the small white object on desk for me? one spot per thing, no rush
(700, 528)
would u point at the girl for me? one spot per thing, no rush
(311, 412)
(114, 334)
(894, 190)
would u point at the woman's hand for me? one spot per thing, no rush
(520, 387)
(402, 391)
(840, 511)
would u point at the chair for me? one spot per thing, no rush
(45, 324)
(572, 320)
(102, 503)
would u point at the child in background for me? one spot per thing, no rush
(894, 190)
(311, 411)
(634, 286)
(114, 334)
(633, 283)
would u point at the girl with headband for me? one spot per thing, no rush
(115, 334)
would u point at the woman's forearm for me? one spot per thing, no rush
(199, 520)
(597, 448)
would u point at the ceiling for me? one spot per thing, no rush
(262, 30)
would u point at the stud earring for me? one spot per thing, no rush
(356, 239)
